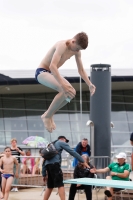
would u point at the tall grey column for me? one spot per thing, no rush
(100, 109)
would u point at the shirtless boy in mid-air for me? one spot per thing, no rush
(8, 162)
(47, 74)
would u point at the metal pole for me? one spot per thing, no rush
(92, 139)
(81, 102)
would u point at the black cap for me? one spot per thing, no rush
(64, 138)
(131, 137)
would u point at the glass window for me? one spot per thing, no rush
(36, 96)
(2, 138)
(128, 92)
(61, 116)
(37, 133)
(33, 114)
(84, 97)
(1, 125)
(128, 99)
(121, 126)
(120, 138)
(130, 115)
(35, 125)
(36, 104)
(50, 96)
(79, 126)
(117, 98)
(119, 116)
(129, 107)
(13, 113)
(78, 116)
(62, 126)
(118, 107)
(13, 102)
(19, 135)
(15, 124)
(130, 127)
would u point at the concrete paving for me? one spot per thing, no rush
(35, 194)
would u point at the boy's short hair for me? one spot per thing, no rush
(13, 139)
(7, 148)
(82, 40)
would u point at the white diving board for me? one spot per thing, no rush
(101, 182)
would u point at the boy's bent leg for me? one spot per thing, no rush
(8, 187)
(58, 102)
(47, 193)
(46, 117)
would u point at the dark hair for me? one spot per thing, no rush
(7, 148)
(40, 150)
(82, 40)
(27, 150)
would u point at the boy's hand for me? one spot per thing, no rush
(92, 89)
(16, 174)
(69, 91)
(93, 170)
(2, 171)
(17, 149)
(86, 165)
(45, 179)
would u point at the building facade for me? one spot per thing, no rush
(23, 101)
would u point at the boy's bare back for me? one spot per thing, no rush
(8, 164)
(60, 50)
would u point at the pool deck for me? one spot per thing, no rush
(35, 194)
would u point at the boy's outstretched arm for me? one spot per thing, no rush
(83, 73)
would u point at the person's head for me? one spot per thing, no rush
(40, 150)
(7, 151)
(13, 142)
(121, 157)
(85, 157)
(28, 152)
(78, 42)
(84, 142)
(63, 139)
(131, 139)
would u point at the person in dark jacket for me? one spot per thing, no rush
(81, 171)
(82, 148)
(53, 168)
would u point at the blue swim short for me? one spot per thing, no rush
(39, 71)
(6, 176)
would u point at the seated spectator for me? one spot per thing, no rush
(37, 169)
(81, 171)
(28, 163)
(82, 148)
(118, 171)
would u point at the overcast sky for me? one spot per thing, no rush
(28, 28)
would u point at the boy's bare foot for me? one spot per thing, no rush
(53, 123)
(47, 123)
